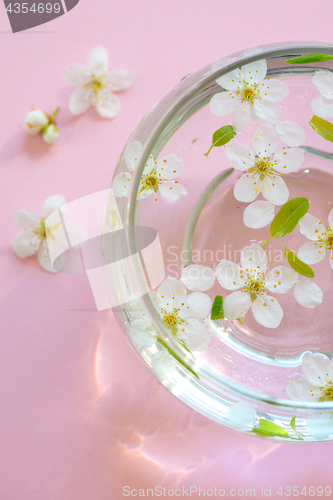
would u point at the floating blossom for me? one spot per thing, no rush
(308, 293)
(321, 239)
(317, 384)
(242, 416)
(254, 283)
(38, 122)
(323, 104)
(32, 240)
(250, 95)
(96, 85)
(264, 167)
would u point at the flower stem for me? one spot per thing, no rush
(209, 150)
(266, 241)
(54, 114)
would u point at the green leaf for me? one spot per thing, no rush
(309, 58)
(293, 426)
(288, 216)
(217, 309)
(240, 321)
(272, 429)
(297, 265)
(221, 137)
(177, 358)
(322, 127)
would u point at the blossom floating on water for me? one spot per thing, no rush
(249, 94)
(323, 104)
(96, 85)
(321, 239)
(318, 382)
(38, 122)
(242, 416)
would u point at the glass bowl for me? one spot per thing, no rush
(260, 362)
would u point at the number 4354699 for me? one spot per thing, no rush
(18, 8)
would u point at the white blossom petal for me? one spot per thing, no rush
(224, 103)
(268, 111)
(239, 155)
(144, 194)
(194, 334)
(120, 184)
(322, 107)
(288, 160)
(330, 219)
(98, 61)
(281, 279)
(27, 219)
(170, 166)
(290, 133)
(232, 80)
(274, 189)
(320, 426)
(311, 227)
(35, 121)
(254, 72)
(265, 141)
(323, 80)
(273, 90)
(258, 214)
(301, 390)
(197, 306)
(236, 305)
(308, 294)
(242, 118)
(25, 243)
(132, 154)
(247, 188)
(80, 101)
(172, 190)
(311, 253)
(254, 257)
(77, 75)
(317, 369)
(230, 276)
(331, 259)
(142, 333)
(254, 117)
(198, 278)
(107, 104)
(267, 311)
(163, 364)
(242, 416)
(173, 292)
(51, 204)
(119, 79)
(45, 261)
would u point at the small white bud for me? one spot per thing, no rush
(51, 134)
(35, 121)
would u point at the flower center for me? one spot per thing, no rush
(327, 392)
(96, 84)
(254, 286)
(41, 231)
(150, 181)
(329, 238)
(262, 166)
(248, 93)
(172, 320)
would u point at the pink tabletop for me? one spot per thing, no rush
(72, 428)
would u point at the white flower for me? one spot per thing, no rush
(96, 85)
(163, 364)
(308, 293)
(35, 121)
(264, 167)
(321, 239)
(198, 278)
(247, 92)
(323, 104)
(242, 416)
(254, 285)
(51, 133)
(181, 314)
(33, 237)
(317, 384)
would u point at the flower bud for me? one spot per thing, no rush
(51, 134)
(35, 121)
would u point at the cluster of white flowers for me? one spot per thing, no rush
(38, 122)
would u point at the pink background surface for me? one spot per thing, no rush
(70, 429)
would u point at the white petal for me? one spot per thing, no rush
(232, 80)
(224, 103)
(142, 333)
(288, 160)
(107, 104)
(98, 61)
(267, 311)
(290, 134)
(77, 75)
(301, 390)
(330, 219)
(274, 189)
(258, 214)
(317, 369)
(27, 219)
(51, 204)
(322, 107)
(132, 154)
(320, 426)
(254, 257)
(331, 259)
(35, 121)
(172, 190)
(311, 253)
(242, 416)
(195, 335)
(239, 155)
(308, 294)
(281, 279)
(247, 188)
(120, 184)
(265, 140)
(198, 278)
(323, 80)
(229, 274)
(197, 306)
(170, 166)
(51, 134)
(45, 261)
(236, 305)
(119, 79)
(242, 118)
(311, 227)
(254, 72)
(273, 90)
(79, 101)
(254, 117)
(144, 194)
(163, 364)
(172, 292)
(25, 243)
(268, 111)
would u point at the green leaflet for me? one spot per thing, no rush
(267, 428)
(177, 358)
(293, 426)
(309, 58)
(297, 265)
(221, 137)
(322, 127)
(217, 309)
